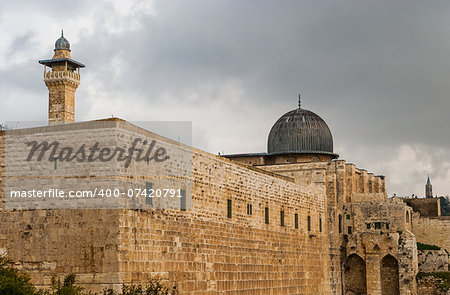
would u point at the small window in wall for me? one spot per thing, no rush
(296, 220)
(387, 225)
(407, 216)
(183, 200)
(229, 205)
(368, 225)
(282, 217)
(320, 224)
(148, 194)
(349, 230)
(348, 216)
(266, 215)
(249, 209)
(340, 223)
(377, 225)
(309, 223)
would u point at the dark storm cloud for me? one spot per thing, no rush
(376, 71)
(384, 66)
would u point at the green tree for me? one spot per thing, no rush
(13, 282)
(67, 288)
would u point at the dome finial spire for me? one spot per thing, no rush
(299, 101)
(62, 33)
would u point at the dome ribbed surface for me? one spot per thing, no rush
(62, 43)
(300, 131)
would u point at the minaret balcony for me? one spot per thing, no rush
(61, 76)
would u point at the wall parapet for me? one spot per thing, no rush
(51, 76)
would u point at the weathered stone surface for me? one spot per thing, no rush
(201, 250)
(362, 222)
(432, 230)
(430, 285)
(433, 260)
(426, 207)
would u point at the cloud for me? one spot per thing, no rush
(406, 166)
(377, 72)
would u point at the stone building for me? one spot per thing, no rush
(372, 249)
(294, 220)
(428, 225)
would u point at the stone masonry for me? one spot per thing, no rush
(366, 230)
(433, 260)
(200, 250)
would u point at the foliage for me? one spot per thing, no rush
(422, 246)
(13, 282)
(67, 288)
(153, 288)
(445, 276)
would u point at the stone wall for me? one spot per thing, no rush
(382, 216)
(384, 254)
(433, 231)
(53, 243)
(362, 222)
(430, 285)
(426, 207)
(206, 252)
(433, 260)
(201, 250)
(2, 167)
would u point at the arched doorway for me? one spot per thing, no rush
(389, 276)
(355, 275)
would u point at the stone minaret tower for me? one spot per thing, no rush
(62, 82)
(429, 189)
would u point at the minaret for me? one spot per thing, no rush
(62, 82)
(428, 189)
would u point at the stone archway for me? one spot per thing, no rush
(355, 276)
(389, 276)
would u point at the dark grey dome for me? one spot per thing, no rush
(300, 131)
(62, 43)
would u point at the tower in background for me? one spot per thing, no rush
(428, 189)
(62, 82)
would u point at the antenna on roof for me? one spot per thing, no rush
(299, 101)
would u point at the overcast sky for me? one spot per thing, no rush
(378, 72)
